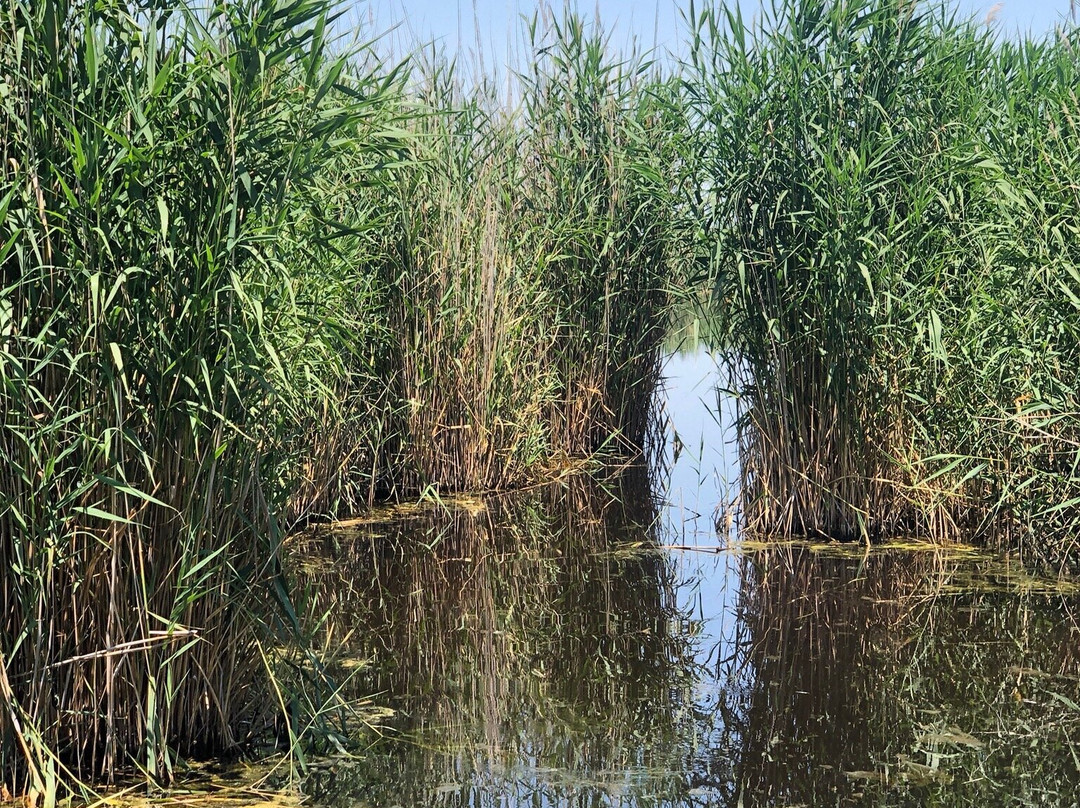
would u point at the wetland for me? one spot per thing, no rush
(601, 641)
(345, 428)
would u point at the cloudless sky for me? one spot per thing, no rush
(648, 20)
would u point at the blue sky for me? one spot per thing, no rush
(422, 20)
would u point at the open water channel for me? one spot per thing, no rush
(612, 643)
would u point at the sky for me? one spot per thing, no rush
(456, 22)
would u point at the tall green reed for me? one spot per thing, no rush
(152, 160)
(529, 273)
(471, 370)
(602, 129)
(1012, 347)
(249, 280)
(883, 187)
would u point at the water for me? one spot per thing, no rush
(606, 643)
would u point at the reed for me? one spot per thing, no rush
(152, 162)
(884, 189)
(534, 258)
(250, 278)
(472, 370)
(604, 222)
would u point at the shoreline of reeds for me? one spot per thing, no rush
(889, 204)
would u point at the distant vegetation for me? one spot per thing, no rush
(250, 279)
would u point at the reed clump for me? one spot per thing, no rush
(473, 368)
(886, 191)
(532, 268)
(149, 164)
(249, 278)
(604, 222)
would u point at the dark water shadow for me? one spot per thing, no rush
(902, 678)
(531, 648)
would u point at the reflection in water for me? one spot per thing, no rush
(528, 644)
(551, 649)
(896, 679)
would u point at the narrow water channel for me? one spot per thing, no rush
(611, 642)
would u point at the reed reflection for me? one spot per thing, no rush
(900, 678)
(531, 646)
(535, 652)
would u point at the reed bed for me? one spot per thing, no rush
(250, 277)
(531, 276)
(887, 193)
(151, 162)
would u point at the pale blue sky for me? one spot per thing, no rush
(422, 20)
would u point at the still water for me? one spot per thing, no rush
(611, 642)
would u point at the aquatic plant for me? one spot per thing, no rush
(531, 276)
(248, 278)
(155, 354)
(885, 190)
(604, 220)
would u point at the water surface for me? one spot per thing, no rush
(609, 642)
